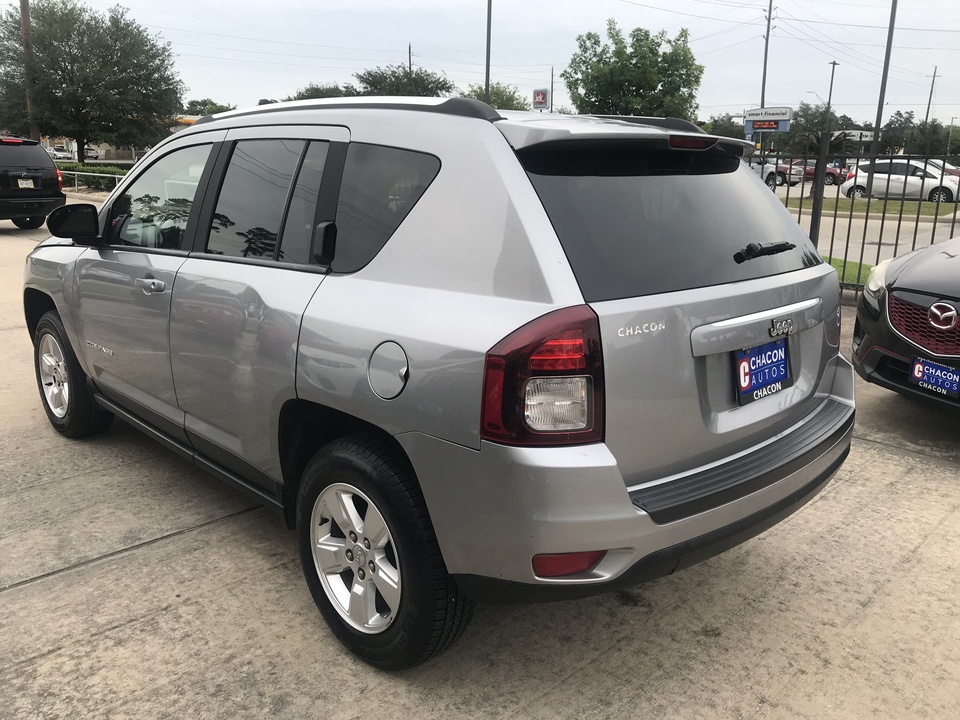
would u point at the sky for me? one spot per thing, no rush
(240, 52)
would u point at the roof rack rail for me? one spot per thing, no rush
(664, 122)
(464, 107)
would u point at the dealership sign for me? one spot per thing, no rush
(541, 99)
(771, 119)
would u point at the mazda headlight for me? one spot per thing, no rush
(877, 279)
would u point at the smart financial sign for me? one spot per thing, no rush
(771, 119)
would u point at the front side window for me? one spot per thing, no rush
(153, 211)
(249, 212)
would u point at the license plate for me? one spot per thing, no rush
(937, 378)
(761, 371)
(25, 182)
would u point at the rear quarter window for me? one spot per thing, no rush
(638, 222)
(379, 188)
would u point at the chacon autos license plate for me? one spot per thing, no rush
(761, 371)
(25, 183)
(937, 378)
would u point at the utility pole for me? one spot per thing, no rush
(766, 48)
(25, 33)
(875, 146)
(486, 84)
(926, 117)
(551, 97)
(410, 58)
(833, 69)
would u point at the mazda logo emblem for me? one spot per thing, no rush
(942, 316)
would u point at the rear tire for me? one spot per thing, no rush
(371, 558)
(858, 192)
(829, 179)
(29, 223)
(941, 195)
(63, 386)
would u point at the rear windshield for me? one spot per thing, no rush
(641, 222)
(16, 155)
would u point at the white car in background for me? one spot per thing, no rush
(903, 178)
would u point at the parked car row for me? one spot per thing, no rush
(59, 152)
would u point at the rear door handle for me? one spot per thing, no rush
(150, 285)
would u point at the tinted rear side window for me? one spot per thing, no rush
(17, 155)
(254, 193)
(641, 222)
(380, 186)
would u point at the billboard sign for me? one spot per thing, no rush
(771, 119)
(541, 99)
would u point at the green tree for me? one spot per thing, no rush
(401, 80)
(206, 106)
(644, 74)
(502, 97)
(322, 90)
(98, 77)
(897, 131)
(810, 117)
(724, 125)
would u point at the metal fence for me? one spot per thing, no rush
(859, 211)
(77, 183)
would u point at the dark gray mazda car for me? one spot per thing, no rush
(907, 336)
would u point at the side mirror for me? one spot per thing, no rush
(78, 222)
(324, 244)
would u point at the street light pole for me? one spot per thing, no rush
(833, 69)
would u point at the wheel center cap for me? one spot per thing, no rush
(359, 555)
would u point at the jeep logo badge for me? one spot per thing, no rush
(781, 327)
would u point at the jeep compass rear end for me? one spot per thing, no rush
(470, 355)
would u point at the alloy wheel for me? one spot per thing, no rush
(355, 558)
(53, 376)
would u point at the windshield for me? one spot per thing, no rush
(643, 222)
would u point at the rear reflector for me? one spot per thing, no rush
(566, 563)
(687, 142)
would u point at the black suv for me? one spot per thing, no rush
(30, 183)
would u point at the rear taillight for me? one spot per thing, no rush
(543, 384)
(12, 141)
(59, 180)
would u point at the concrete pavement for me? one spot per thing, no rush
(132, 585)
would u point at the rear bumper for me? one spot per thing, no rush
(495, 509)
(29, 207)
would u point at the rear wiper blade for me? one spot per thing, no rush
(754, 250)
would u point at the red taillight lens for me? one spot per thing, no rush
(686, 142)
(59, 180)
(12, 141)
(564, 353)
(565, 563)
(543, 384)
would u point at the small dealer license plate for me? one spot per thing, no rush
(761, 371)
(937, 378)
(25, 182)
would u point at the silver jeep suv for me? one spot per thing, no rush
(468, 355)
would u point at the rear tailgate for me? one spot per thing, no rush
(26, 170)
(718, 318)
